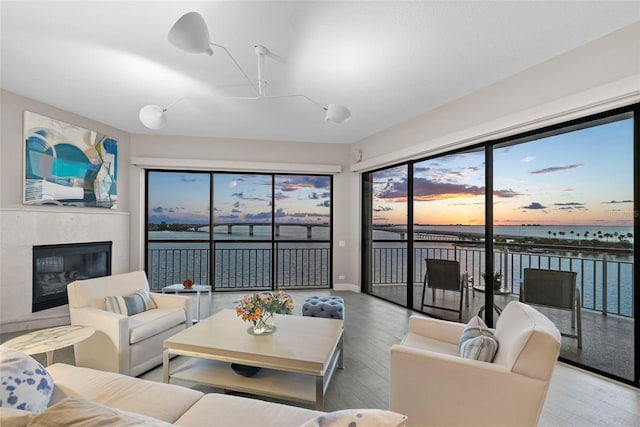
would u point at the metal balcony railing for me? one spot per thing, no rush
(238, 268)
(605, 280)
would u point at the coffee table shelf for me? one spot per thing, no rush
(268, 382)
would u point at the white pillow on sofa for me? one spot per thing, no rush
(358, 418)
(77, 412)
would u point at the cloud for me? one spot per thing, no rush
(297, 182)
(316, 196)
(569, 204)
(527, 159)
(241, 196)
(555, 169)
(534, 205)
(227, 217)
(324, 203)
(612, 202)
(262, 216)
(236, 211)
(506, 193)
(185, 179)
(382, 209)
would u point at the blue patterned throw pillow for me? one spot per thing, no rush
(129, 305)
(24, 383)
(478, 342)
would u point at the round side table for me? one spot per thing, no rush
(49, 340)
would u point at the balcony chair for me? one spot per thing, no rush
(555, 289)
(444, 275)
(434, 386)
(126, 344)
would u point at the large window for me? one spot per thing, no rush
(560, 200)
(239, 230)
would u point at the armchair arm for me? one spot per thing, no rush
(174, 301)
(440, 389)
(108, 348)
(440, 330)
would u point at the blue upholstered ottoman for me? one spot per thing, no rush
(327, 307)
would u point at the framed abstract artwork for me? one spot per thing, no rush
(67, 165)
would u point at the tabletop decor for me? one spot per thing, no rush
(259, 309)
(188, 284)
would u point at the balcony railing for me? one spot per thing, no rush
(237, 268)
(605, 280)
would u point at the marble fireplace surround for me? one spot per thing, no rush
(21, 229)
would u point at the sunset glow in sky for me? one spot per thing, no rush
(583, 177)
(183, 198)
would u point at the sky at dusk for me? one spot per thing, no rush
(583, 177)
(183, 198)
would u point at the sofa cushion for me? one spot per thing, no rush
(24, 383)
(477, 341)
(77, 412)
(223, 410)
(358, 418)
(422, 342)
(167, 402)
(129, 305)
(11, 417)
(151, 322)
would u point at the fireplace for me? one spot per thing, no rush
(55, 266)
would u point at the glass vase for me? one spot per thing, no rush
(264, 324)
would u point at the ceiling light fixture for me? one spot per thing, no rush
(190, 33)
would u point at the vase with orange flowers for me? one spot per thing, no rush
(259, 309)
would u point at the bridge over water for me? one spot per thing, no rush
(402, 232)
(252, 225)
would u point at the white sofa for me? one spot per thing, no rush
(128, 345)
(150, 403)
(88, 397)
(431, 383)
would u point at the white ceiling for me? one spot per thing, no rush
(387, 61)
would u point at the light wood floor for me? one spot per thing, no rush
(575, 398)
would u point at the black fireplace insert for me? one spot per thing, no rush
(55, 266)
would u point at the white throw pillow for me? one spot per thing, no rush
(24, 383)
(358, 418)
(77, 412)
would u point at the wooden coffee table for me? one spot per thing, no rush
(298, 359)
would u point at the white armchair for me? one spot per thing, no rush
(128, 345)
(434, 386)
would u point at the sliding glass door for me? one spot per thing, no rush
(548, 218)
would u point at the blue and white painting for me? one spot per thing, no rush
(67, 165)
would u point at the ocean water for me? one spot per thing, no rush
(244, 260)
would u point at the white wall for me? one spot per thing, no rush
(595, 77)
(22, 226)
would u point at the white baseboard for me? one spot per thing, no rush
(346, 287)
